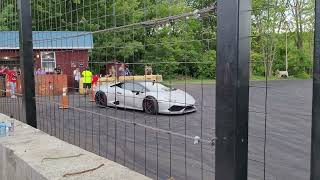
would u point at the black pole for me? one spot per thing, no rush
(232, 89)
(26, 62)
(315, 130)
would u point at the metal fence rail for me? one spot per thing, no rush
(182, 56)
(72, 35)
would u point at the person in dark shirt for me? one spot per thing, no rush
(103, 71)
(58, 70)
(19, 72)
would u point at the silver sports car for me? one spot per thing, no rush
(151, 97)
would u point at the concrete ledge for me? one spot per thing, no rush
(33, 155)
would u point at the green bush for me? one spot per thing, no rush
(302, 75)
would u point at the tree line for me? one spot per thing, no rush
(186, 47)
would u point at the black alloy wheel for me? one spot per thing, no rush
(101, 99)
(150, 105)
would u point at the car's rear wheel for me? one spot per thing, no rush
(101, 99)
(150, 105)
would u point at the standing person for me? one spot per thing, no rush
(113, 71)
(95, 80)
(94, 83)
(127, 71)
(87, 79)
(103, 71)
(12, 79)
(58, 70)
(121, 70)
(3, 71)
(42, 71)
(76, 76)
(19, 72)
(109, 74)
(148, 70)
(38, 71)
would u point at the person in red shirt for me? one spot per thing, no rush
(95, 80)
(12, 79)
(3, 71)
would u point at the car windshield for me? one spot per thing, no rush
(159, 87)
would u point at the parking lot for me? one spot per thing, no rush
(118, 135)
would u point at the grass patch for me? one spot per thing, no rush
(263, 78)
(213, 81)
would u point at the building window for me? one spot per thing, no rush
(48, 61)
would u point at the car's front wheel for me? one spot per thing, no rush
(150, 105)
(101, 99)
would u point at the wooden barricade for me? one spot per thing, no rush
(51, 84)
(45, 85)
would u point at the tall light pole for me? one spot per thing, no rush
(287, 46)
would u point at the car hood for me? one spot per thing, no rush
(177, 96)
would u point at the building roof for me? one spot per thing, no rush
(49, 40)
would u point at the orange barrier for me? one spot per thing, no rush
(8, 92)
(64, 102)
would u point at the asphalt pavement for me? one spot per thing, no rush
(142, 142)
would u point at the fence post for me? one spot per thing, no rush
(232, 89)
(26, 62)
(315, 130)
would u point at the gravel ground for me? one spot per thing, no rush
(117, 135)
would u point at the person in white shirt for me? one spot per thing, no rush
(76, 76)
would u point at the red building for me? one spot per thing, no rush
(64, 49)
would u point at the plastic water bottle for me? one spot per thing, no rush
(4, 129)
(11, 127)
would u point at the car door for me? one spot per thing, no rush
(125, 97)
(139, 95)
(133, 96)
(116, 95)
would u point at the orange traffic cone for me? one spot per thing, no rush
(8, 92)
(64, 102)
(93, 94)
